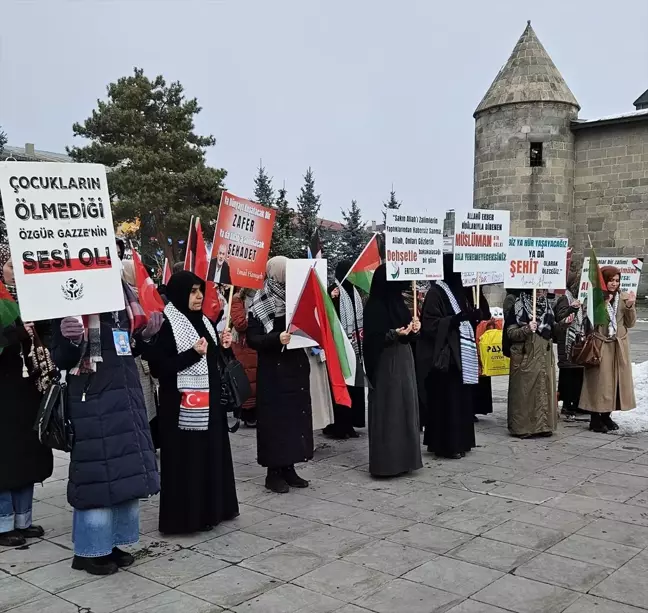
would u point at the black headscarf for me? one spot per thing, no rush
(178, 291)
(386, 310)
(341, 271)
(453, 281)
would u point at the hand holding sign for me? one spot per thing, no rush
(533, 326)
(200, 346)
(416, 326)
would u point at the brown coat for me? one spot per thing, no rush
(610, 387)
(243, 352)
(532, 401)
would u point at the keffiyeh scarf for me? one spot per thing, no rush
(575, 329)
(349, 318)
(269, 303)
(612, 309)
(544, 314)
(468, 346)
(193, 382)
(91, 343)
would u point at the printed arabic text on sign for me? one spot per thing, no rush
(481, 240)
(62, 239)
(539, 263)
(413, 247)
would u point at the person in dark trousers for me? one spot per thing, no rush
(390, 328)
(350, 310)
(284, 412)
(23, 460)
(219, 270)
(198, 490)
(448, 365)
(112, 463)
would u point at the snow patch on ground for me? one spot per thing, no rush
(631, 422)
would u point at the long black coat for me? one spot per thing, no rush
(113, 459)
(23, 460)
(198, 487)
(284, 413)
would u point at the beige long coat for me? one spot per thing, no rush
(609, 387)
(532, 401)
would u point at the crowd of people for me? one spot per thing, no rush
(419, 366)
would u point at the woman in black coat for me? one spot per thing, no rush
(112, 464)
(23, 460)
(284, 413)
(198, 488)
(448, 372)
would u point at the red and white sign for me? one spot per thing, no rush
(539, 263)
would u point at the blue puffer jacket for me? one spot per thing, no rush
(113, 460)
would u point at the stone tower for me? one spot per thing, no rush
(524, 147)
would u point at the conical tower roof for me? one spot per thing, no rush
(528, 76)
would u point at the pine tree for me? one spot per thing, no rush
(144, 132)
(3, 139)
(354, 235)
(308, 207)
(392, 203)
(263, 190)
(283, 233)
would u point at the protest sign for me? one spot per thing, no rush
(630, 273)
(469, 279)
(241, 242)
(413, 246)
(481, 241)
(296, 273)
(62, 239)
(536, 263)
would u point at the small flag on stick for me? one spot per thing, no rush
(362, 272)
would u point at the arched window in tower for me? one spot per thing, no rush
(535, 155)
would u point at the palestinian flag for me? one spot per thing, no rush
(315, 246)
(596, 309)
(9, 312)
(362, 271)
(147, 294)
(315, 316)
(196, 259)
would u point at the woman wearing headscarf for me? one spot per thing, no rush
(448, 365)
(350, 310)
(610, 386)
(241, 305)
(569, 315)
(112, 463)
(389, 329)
(148, 383)
(23, 460)
(284, 414)
(532, 404)
(198, 489)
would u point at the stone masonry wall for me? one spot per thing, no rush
(540, 199)
(611, 190)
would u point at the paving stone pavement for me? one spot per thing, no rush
(535, 526)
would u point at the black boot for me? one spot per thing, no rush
(276, 482)
(12, 539)
(33, 532)
(121, 558)
(104, 565)
(292, 478)
(606, 418)
(597, 425)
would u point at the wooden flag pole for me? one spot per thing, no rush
(415, 293)
(534, 302)
(477, 295)
(229, 307)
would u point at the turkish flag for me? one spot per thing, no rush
(148, 296)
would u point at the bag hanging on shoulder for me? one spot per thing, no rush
(235, 388)
(55, 430)
(586, 350)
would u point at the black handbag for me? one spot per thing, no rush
(55, 430)
(235, 388)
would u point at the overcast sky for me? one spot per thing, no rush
(367, 92)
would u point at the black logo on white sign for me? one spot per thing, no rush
(72, 289)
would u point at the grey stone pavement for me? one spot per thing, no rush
(535, 526)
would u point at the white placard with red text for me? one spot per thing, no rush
(630, 273)
(539, 263)
(481, 240)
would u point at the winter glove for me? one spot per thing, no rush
(72, 329)
(153, 326)
(457, 318)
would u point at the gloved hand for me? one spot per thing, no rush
(153, 326)
(72, 329)
(457, 318)
(475, 316)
